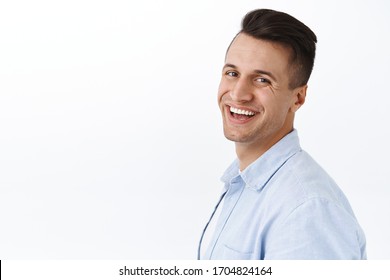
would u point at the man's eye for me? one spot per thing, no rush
(262, 80)
(231, 74)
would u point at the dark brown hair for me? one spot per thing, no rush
(282, 28)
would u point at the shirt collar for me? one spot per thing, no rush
(257, 174)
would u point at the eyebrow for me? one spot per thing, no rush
(257, 71)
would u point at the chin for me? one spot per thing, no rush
(235, 137)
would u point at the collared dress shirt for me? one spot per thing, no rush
(284, 206)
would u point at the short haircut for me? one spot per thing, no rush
(286, 30)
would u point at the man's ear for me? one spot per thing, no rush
(299, 97)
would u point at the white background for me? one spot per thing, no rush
(111, 143)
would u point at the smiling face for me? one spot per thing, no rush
(256, 102)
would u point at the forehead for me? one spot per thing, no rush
(248, 52)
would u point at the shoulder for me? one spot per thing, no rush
(302, 179)
(311, 210)
(302, 186)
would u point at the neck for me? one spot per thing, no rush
(247, 153)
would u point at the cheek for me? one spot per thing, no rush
(285, 106)
(222, 90)
(278, 106)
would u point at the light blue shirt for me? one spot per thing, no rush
(284, 206)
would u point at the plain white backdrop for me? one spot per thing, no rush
(111, 143)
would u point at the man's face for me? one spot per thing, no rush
(256, 102)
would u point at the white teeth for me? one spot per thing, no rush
(241, 112)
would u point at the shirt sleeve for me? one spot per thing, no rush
(316, 229)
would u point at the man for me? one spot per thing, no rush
(278, 203)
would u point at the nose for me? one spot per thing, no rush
(241, 91)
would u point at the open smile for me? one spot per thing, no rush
(240, 116)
